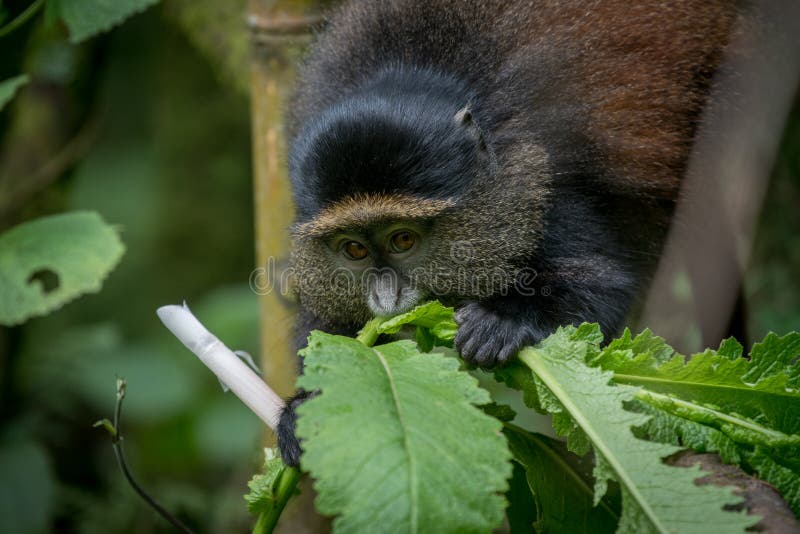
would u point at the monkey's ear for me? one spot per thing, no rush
(463, 116)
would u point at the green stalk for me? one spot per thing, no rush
(369, 334)
(22, 18)
(287, 486)
(738, 429)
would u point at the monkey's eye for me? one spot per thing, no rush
(355, 250)
(401, 241)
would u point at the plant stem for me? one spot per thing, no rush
(369, 334)
(116, 443)
(737, 428)
(287, 486)
(22, 18)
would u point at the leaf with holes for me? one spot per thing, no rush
(395, 439)
(85, 18)
(48, 262)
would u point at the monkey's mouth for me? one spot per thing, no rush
(386, 301)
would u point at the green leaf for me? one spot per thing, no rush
(502, 412)
(587, 405)
(561, 485)
(667, 428)
(395, 439)
(764, 389)
(738, 428)
(85, 18)
(521, 511)
(263, 486)
(432, 316)
(48, 262)
(717, 401)
(8, 88)
(785, 479)
(270, 491)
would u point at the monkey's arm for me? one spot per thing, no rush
(288, 444)
(569, 291)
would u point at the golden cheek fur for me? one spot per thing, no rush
(323, 286)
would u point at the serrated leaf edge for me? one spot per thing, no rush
(531, 358)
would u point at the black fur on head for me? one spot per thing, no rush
(406, 130)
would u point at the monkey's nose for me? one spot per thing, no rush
(393, 298)
(384, 296)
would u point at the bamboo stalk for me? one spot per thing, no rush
(280, 30)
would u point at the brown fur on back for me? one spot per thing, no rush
(636, 73)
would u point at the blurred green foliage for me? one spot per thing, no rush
(160, 109)
(772, 282)
(169, 165)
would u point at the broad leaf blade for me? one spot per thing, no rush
(73, 251)
(651, 490)
(85, 18)
(395, 440)
(764, 389)
(563, 492)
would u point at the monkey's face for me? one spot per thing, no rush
(363, 257)
(383, 254)
(381, 258)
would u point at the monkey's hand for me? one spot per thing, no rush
(288, 444)
(488, 338)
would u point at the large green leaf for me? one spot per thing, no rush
(743, 409)
(764, 389)
(8, 88)
(50, 261)
(587, 407)
(563, 492)
(85, 18)
(394, 440)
